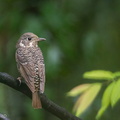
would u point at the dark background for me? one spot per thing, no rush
(81, 35)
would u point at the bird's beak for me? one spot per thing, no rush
(41, 39)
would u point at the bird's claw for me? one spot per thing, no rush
(19, 79)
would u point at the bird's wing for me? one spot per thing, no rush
(41, 70)
(27, 71)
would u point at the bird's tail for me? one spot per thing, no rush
(36, 102)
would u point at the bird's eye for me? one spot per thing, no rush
(29, 39)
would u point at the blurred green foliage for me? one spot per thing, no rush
(81, 35)
(88, 92)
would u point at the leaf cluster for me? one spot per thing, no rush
(88, 92)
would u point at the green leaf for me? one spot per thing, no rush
(116, 74)
(87, 98)
(78, 90)
(98, 75)
(106, 99)
(115, 93)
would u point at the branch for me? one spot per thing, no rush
(47, 104)
(3, 117)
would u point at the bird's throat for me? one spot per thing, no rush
(31, 44)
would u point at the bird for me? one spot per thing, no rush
(30, 64)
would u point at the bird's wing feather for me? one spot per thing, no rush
(29, 80)
(41, 69)
(27, 71)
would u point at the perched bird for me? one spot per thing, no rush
(30, 64)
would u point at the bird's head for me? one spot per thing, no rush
(29, 40)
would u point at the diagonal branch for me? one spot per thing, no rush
(3, 117)
(47, 104)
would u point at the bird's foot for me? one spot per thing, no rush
(19, 79)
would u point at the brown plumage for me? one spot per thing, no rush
(30, 64)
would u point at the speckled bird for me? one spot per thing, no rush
(30, 64)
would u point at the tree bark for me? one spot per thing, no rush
(47, 104)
